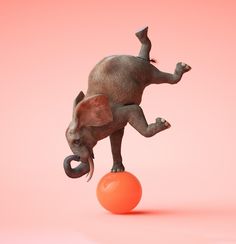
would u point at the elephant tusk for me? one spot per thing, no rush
(91, 166)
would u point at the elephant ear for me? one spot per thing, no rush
(93, 111)
(78, 99)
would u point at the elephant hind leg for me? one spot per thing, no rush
(159, 77)
(116, 139)
(146, 44)
(135, 116)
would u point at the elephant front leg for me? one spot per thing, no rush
(135, 116)
(116, 139)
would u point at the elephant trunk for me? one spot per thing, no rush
(81, 169)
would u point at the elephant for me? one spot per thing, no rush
(115, 88)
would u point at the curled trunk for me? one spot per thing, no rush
(76, 172)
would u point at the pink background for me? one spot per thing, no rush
(187, 172)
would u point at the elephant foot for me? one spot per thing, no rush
(153, 129)
(142, 35)
(182, 68)
(162, 124)
(118, 167)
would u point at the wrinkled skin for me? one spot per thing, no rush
(115, 88)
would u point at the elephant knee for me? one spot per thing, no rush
(135, 113)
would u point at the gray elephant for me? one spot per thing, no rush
(115, 88)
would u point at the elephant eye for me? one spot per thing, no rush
(76, 142)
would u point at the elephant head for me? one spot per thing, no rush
(88, 113)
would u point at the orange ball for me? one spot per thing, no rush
(119, 192)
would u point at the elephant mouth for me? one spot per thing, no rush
(81, 169)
